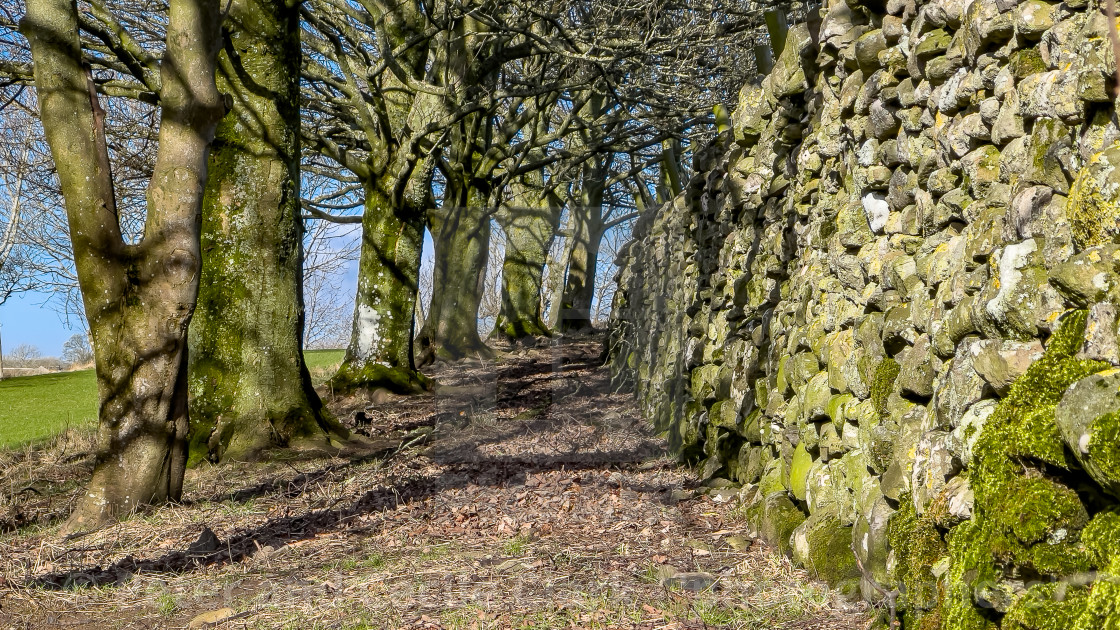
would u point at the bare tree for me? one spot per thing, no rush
(77, 351)
(329, 251)
(490, 306)
(15, 154)
(139, 296)
(613, 241)
(24, 352)
(43, 248)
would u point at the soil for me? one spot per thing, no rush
(523, 493)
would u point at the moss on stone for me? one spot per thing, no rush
(1024, 517)
(1053, 606)
(779, 518)
(799, 471)
(918, 545)
(830, 555)
(1093, 207)
(1027, 62)
(882, 384)
(1104, 444)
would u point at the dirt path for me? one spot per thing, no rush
(522, 495)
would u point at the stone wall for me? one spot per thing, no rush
(887, 307)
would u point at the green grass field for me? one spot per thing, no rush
(322, 364)
(37, 407)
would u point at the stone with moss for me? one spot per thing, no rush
(779, 518)
(1090, 276)
(1088, 418)
(1094, 200)
(823, 545)
(918, 545)
(1023, 516)
(799, 471)
(882, 384)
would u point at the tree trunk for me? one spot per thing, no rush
(530, 225)
(461, 232)
(557, 274)
(138, 298)
(579, 290)
(250, 389)
(380, 354)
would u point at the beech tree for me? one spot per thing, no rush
(370, 107)
(530, 220)
(139, 297)
(250, 388)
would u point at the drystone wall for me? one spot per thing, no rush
(887, 308)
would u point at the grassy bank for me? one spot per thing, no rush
(37, 407)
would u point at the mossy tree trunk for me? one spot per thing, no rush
(461, 233)
(461, 226)
(380, 354)
(530, 223)
(393, 158)
(250, 389)
(138, 298)
(586, 235)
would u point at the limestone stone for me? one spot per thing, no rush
(877, 210)
(999, 363)
(868, 47)
(1033, 18)
(981, 169)
(751, 116)
(934, 464)
(917, 371)
(1094, 201)
(1008, 124)
(779, 519)
(1088, 417)
(824, 546)
(1102, 333)
(967, 431)
(869, 539)
(1090, 276)
(962, 388)
(1051, 94)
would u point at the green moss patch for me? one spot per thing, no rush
(1026, 519)
(375, 376)
(918, 545)
(883, 383)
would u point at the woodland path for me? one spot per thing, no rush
(523, 494)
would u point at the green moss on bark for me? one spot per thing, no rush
(380, 354)
(398, 380)
(250, 389)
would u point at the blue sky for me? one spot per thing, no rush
(25, 319)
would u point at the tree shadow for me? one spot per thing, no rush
(284, 530)
(461, 456)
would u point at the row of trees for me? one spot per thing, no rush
(191, 145)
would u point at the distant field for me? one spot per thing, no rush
(322, 364)
(37, 407)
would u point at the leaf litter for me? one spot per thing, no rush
(523, 493)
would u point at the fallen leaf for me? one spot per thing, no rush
(212, 617)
